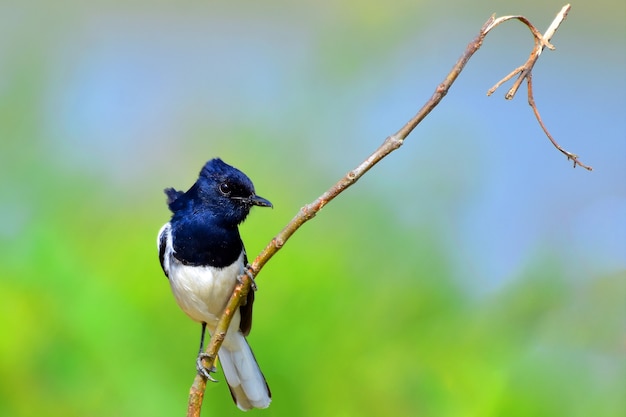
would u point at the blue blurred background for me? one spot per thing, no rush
(472, 273)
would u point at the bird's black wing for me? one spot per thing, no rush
(246, 309)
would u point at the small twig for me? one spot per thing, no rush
(541, 41)
(525, 72)
(505, 79)
(390, 144)
(531, 101)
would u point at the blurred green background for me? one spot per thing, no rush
(472, 273)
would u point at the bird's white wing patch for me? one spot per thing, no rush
(165, 247)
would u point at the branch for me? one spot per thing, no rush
(525, 71)
(389, 145)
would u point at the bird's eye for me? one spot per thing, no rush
(225, 188)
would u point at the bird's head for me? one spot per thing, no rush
(226, 192)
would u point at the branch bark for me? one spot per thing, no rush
(525, 72)
(389, 145)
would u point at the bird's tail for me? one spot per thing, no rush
(243, 375)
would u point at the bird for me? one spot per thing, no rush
(202, 255)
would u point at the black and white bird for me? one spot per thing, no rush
(202, 255)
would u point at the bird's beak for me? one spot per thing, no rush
(259, 201)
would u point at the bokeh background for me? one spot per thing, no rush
(472, 273)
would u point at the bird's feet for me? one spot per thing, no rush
(203, 370)
(250, 275)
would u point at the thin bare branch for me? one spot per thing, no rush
(390, 144)
(541, 41)
(525, 71)
(531, 101)
(505, 79)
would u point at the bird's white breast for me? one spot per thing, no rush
(201, 291)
